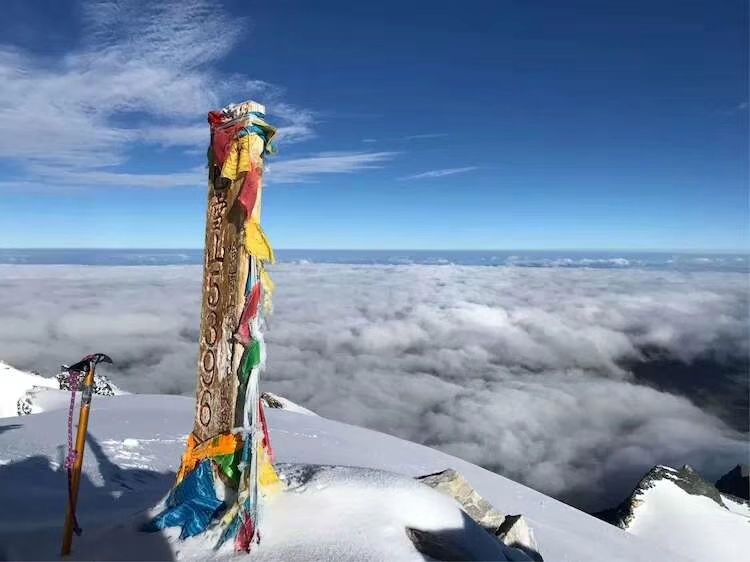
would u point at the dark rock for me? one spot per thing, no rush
(736, 482)
(102, 385)
(23, 406)
(433, 546)
(270, 401)
(689, 480)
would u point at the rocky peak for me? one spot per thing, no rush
(736, 482)
(686, 478)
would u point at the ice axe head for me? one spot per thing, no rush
(85, 364)
(97, 358)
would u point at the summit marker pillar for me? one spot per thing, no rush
(229, 444)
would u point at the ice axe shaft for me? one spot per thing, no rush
(88, 364)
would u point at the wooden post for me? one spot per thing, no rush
(225, 271)
(224, 274)
(228, 430)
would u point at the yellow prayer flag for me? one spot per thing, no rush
(256, 243)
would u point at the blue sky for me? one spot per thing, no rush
(412, 124)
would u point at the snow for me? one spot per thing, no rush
(362, 514)
(351, 492)
(736, 505)
(14, 385)
(339, 513)
(694, 526)
(287, 404)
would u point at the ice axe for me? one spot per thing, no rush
(87, 366)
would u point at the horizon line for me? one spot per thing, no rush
(517, 249)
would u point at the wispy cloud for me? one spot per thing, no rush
(301, 170)
(426, 136)
(154, 62)
(300, 123)
(734, 110)
(409, 137)
(145, 74)
(439, 173)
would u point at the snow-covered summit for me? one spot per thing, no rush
(351, 494)
(678, 508)
(134, 449)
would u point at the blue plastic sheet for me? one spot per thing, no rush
(192, 505)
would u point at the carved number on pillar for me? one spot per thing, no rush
(220, 309)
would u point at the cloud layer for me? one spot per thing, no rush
(519, 370)
(302, 170)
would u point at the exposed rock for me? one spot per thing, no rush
(270, 401)
(687, 479)
(516, 533)
(433, 546)
(511, 530)
(102, 385)
(736, 482)
(23, 406)
(452, 483)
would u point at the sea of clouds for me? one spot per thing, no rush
(524, 371)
